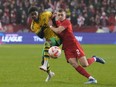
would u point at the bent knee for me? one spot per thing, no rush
(85, 65)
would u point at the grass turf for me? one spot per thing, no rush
(19, 67)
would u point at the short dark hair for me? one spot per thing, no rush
(61, 10)
(32, 9)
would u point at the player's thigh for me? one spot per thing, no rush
(69, 54)
(73, 62)
(71, 58)
(83, 61)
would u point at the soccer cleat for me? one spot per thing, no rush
(44, 68)
(50, 75)
(91, 81)
(100, 60)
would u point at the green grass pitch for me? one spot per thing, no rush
(19, 67)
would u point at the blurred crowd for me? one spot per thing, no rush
(99, 13)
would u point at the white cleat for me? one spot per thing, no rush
(91, 81)
(50, 75)
(44, 68)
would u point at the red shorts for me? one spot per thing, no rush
(74, 53)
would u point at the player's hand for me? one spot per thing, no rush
(50, 23)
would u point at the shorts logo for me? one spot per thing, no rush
(78, 52)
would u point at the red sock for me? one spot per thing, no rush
(90, 60)
(82, 71)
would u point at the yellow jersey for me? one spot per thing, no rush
(43, 21)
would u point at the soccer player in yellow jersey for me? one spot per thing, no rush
(39, 26)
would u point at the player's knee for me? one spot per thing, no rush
(83, 61)
(47, 44)
(85, 65)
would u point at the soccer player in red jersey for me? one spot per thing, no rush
(72, 48)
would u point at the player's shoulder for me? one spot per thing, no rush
(67, 21)
(45, 13)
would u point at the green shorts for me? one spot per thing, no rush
(55, 41)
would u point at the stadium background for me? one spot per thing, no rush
(87, 16)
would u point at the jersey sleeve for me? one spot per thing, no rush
(46, 17)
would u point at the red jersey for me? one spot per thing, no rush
(68, 39)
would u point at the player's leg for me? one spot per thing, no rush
(50, 74)
(83, 60)
(45, 56)
(82, 71)
(71, 58)
(98, 59)
(52, 42)
(86, 62)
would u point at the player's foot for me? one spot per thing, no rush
(91, 81)
(44, 68)
(100, 60)
(50, 75)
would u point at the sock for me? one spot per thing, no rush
(82, 71)
(48, 69)
(90, 77)
(45, 62)
(45, 54)
(91, 60)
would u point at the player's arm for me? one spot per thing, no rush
(38, 32)
(41, 32)
(58, 29)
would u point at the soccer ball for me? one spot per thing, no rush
(54, 52)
